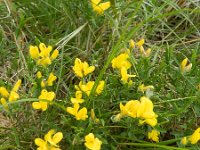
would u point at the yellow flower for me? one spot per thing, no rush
(125, 75)
(153, 135)
(34, 52)
(130, 108)
(54, 55)
(86, 88)
(4, 92)
(39, 75)
(51, 79)
(131, 44)
(92, 143)
(45, 95)
(140, 43)
(142, 109)
(82, 69)
(100, 87)
(78, 99)
(121, 61)
(4, 103)
(42, 55)
(51, 139)
(42, 145)
(43, 84)
(144, 88)
(184, 140)
(16, 86)
(145, 111)
(195, 137)
(13, 95)
(79, 114)
(185, 66)
(100, 7)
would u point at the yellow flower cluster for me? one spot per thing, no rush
(122, 63)
(51, 139)
(44, 98)
(142, 109)
(42, 54)
(79, 114)
(49, 81)
(139, 44)
(82, 69)
(193, 139)
(86, 88)
(100, 7)
(185, 66)
(12, 96)
(92, 143)
(153, 135)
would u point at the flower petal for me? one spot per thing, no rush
(57, 137)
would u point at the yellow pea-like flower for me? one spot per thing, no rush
(54, 55)
(130, 108)
(184, 140)
(195, 137)
(121, 61)
(145, 112)
(125, 76)
(153, 135)
(51, 79)
(92, 143)
(42, 84)
(39, 75)
(45, 61)
(42, 145)
(53, 138)
(4, 103)
(142, 109)
(42, 54)
(100, 87)
(78, 98)
(12, 96)
(45, 95)
(185, 67)
(87, 87)
(4, 92)
(50, 142)
(100, 7)
(17, 85)
(140, 43)
(131, 44)
(34, 52)
(82, 69)
(44, 51)
(79, 114)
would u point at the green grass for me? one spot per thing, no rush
(170, 29)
